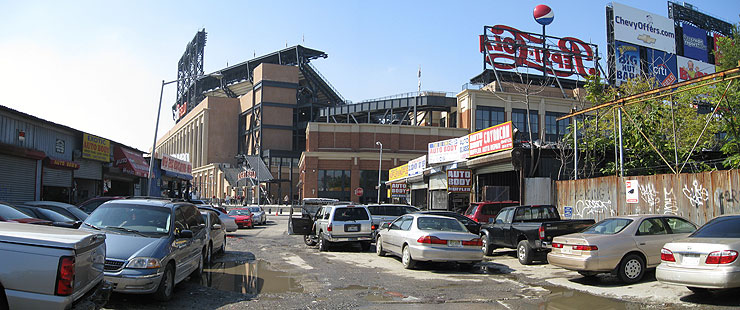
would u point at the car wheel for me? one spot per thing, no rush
(700, 291)
(222, 250)
(588, 274)
(631, 269)
(406, 260)
(365, 246)
(166, 284)
(198, 271)
(487, 247)
(209, 255)
(323, 246)
(308, 241)
(379, 247)
(524, 252)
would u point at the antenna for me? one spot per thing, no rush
(419, 75)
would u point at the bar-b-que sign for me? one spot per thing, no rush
(491, 140)
(507, 48)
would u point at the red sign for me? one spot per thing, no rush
(182, 109)
(507, 48)
(459, 180)
(398, 190)
(491, 140)
(359, 192)
(61, 164)
(247, 174)
(170, 163)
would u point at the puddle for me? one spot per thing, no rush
(379, 297)
(356, 287)
(249, 278)
(562, 298)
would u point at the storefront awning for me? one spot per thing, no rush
(261, 173)
(130, 162)
(181, 176)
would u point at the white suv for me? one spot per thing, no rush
(343, 223)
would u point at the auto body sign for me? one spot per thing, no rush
(491, 140)
(643, 28)
(443, 151)
(459, 180)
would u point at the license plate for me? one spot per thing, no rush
(352, 238)
(691, 260)
(353, 228)
(454, 243)
(566, 249)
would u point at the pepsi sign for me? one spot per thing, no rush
(543, 14)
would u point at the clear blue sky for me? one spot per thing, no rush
(97, 65)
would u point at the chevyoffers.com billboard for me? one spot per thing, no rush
(643, 28)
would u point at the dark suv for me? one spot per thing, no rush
(153, 244)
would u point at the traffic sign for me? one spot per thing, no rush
(359, 191)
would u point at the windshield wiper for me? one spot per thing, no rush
(126, 230)
(91, 225)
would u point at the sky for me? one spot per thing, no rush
(97, 66)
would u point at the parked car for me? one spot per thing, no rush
(337, 224)
(528, 229)
(215, 232)
(625, 245)
(227, 221)
(472, 226)
(242, 217)
(51, 268)
(10, 214)
(386, 213)
(259, 216)
(153, 244)
(485, 211)
(88, 206)
(65, 209)
(706, 260)
(49, 215)
(421, 237)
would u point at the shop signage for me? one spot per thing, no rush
(244, 174)
(463, 145)
(691, 69)
(359, 192)
(130, 162)
(172, 164)
(568, 212)
(182, 109)
(61, 164)
(443, 151)
(459, 180)
(95, 148)
(490, 140)
(59, 147)
(398, 190)
(416, 166)
(662, 66)
(628, 62)
(507, 48)
(695, 43)
(398, 172)
(643, 28)
(632, 191)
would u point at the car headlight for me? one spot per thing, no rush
(144, 263)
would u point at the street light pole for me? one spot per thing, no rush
(380, 166)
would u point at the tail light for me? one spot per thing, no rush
(65, 276)
(721, 257)
(373, 227)
(585, 247)
(666, 255)
(431, 240)
(328, 228)
(475, 242)
(541, 230)
(557, 245)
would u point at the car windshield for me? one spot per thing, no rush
(608, 227)
(350, 214)
(240, 212)
(9, 213)
(55, 217)
(254, 209)
(142, 219)
(441, 224)
(723, 227)
(78, 213)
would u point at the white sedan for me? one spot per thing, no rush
(421, 237)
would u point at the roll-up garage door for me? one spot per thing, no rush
(17, 178)
(89, 169)
(56, 177)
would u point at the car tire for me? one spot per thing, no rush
(524, 252)
(631, 269)
(323, 244)
(700, 291)
(406, 259)
(195, 275)
(308, 241)
(166, 286)
(588, 274)
(222, 250)
(365, 246)
(487, 247)
(379, 247)
(209, 255)
(3, 300)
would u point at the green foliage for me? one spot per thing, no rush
(729, 55)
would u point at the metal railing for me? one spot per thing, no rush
(412, 94)
(313, 68)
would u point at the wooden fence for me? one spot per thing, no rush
(696, 196)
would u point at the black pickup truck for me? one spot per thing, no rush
(528, 229)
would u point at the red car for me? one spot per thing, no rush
(242, 217)
(485, 211)
(10, 214)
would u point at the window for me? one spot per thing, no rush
(440, 224)
(520, 122)
(555, 130)
(721, 227)
(350, 214)
(608, 226)
(503, 217)
(334, 180)
(406, 224)
(488, 116)
(651, 227)
(680, 226)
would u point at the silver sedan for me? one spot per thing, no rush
(705, 260)
(421, 237)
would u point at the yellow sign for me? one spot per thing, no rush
(95, 148)
(398, 172)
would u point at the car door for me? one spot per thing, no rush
(195, 223)
(217, 235)
(390, 236)
(299, 225)
(322, 219)
(179, 249)
(501, 227)
(650, 237)
(679, 228)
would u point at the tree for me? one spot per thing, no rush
(727, 58)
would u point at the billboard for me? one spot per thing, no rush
(95, 148)
(443, 151)
(490, 140)
(643, 28)
(695, 43)
(416, 166)
(398, 190)
(170, 163)
(628, 62)
(459, 180)
(689, 68)
(662, 66)
(398, 172)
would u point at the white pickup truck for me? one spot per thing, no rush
(51, 268)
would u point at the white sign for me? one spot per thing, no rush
(463, 146)
(416, 166)
(690, 68)
(632, 191)
(443, 151)
(643, 28)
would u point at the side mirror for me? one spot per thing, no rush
(385, 226)
(186, 234)
(216, 226)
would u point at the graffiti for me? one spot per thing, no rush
(726, 199)
(589, 208)
(650, 196)
(697, 195)
(669, 202)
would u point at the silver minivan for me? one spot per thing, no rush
(340, 224)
